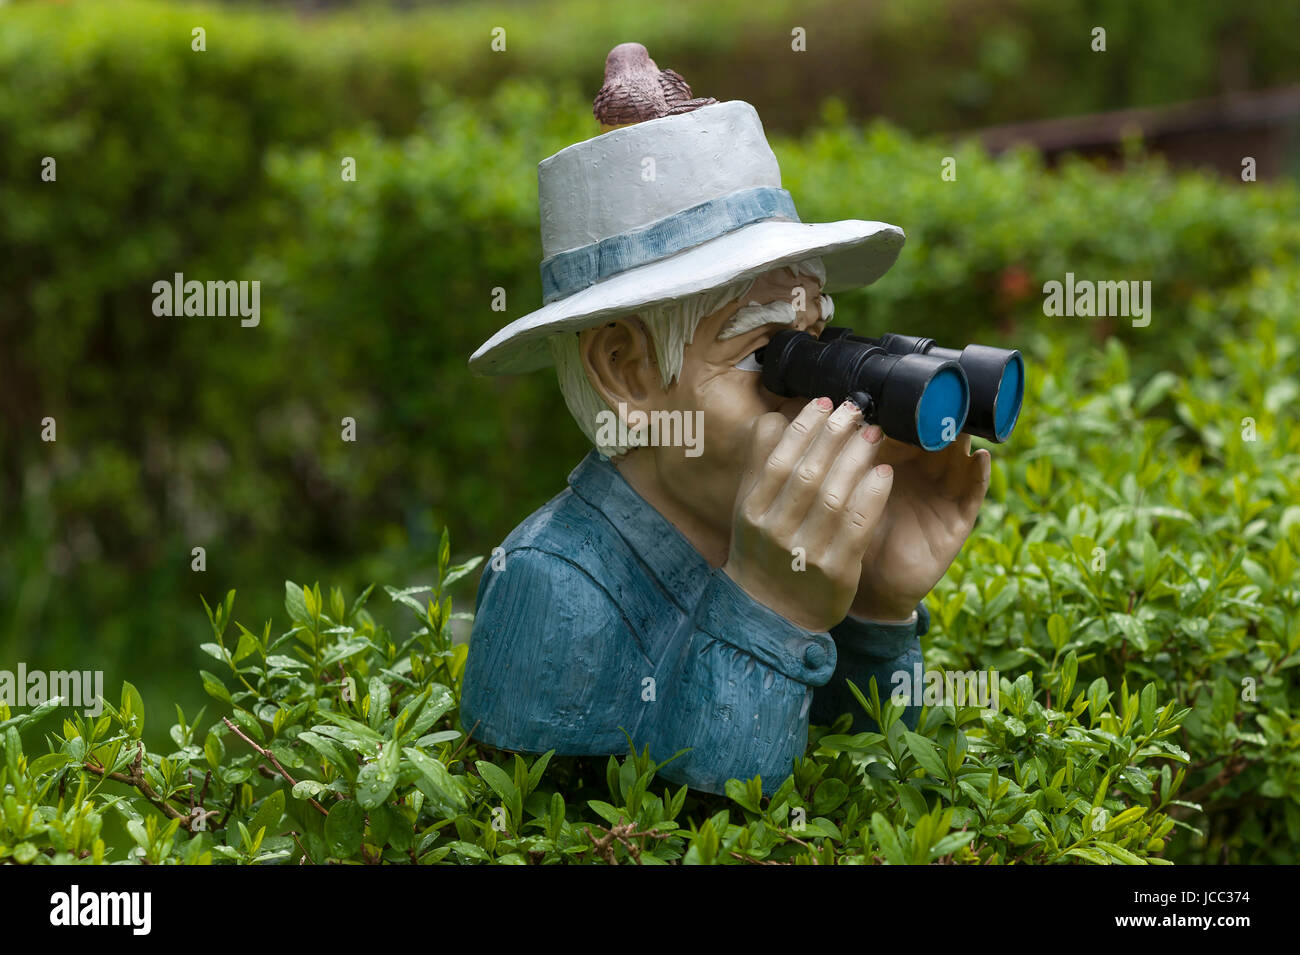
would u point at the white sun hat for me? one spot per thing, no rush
(665, 209)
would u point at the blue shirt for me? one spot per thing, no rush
(603, 618)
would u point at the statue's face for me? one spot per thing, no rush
(729, 399)
(718, 395)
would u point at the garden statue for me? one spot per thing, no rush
(767, 501)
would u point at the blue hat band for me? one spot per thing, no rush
(565, 273)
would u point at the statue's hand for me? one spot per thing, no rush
(805, 512)
(933, 507)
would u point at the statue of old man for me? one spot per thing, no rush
(725, 560)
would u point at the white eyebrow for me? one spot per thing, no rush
(780, 312)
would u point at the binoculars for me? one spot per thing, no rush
(915, 391)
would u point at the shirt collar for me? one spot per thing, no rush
(680, 569)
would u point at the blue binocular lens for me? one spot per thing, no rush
(941, 412)
(996, 377)
(1011, 392)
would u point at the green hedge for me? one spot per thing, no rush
(339, 741)
(1150, 525)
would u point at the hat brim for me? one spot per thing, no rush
(855, 253)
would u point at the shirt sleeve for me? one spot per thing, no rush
(869, 649)
(737, 695)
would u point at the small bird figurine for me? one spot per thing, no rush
(636, 90)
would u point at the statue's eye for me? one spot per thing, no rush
(750, 362)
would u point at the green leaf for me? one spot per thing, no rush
(829, 795)
(377, 778)
(344, 828)
(44, 764)
(950, 844)
(344, 650)
(404, 596)
(1154, 391)
(1094, 856)
(1069, 673)
(13, 750)
(444, 553)
(610, 814)
(1057, 630)
(327, 748)
(135, 828)
(538, 768)
(912, 801)
(247, 644)
(312, 602)
(401, 835)
(498, 779)
(359, 603)
(435, 773)
(359, 729)
(379, 702)
(25, 852)
(22, 719)
(888, 839)
(270, 813)
(214, 687)
(248, 723)
(1122, 854)
(1147, 708)
(925, 753)
(294, 603)
(338, 609)
(460, 570)
(738, 792)
(856, 743)
(133, 703)
(470, 851)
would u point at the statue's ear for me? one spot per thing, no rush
(620, 362)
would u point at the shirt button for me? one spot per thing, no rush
(814, 657)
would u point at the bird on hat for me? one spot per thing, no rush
(636, 90)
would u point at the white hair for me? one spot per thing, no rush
(671, 327)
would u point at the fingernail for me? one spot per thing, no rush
(825, 404)
(850, 404)
(872, 434)
(884, 470)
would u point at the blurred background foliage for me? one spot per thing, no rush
(176, 433)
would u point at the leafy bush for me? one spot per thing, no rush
(1151, 527)
(300, 766)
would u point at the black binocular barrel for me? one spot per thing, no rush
(915, 398)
